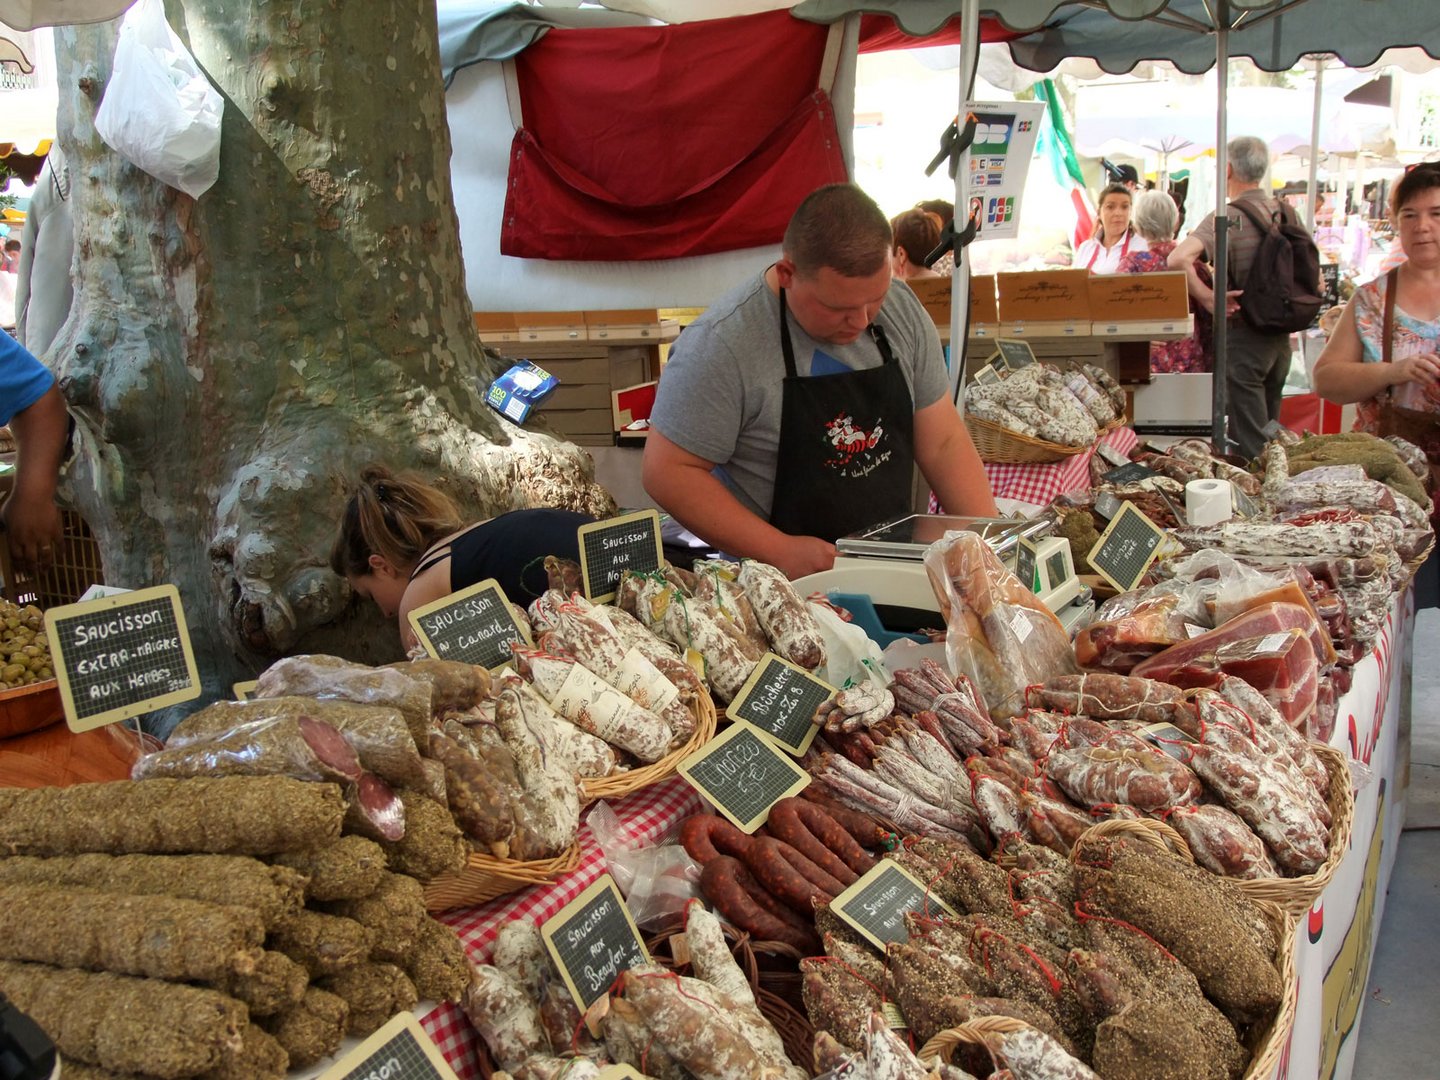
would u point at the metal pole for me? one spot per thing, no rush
(960, 276)
(1219, 399)
(1314, 193)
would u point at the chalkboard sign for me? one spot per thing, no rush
(1243, 505)
(1330, 283)
(1014, 354)
(592, 940)
(780, 699)
(1107, 505)
(609, 547)
(986, 373)
(877, 903)
(744, 773)
(1025, 558)
(398, 1051)
(1126, 548)
(122, 656)
(1111, 454)
(620, 1072)
(474, 626)
(244, 690)
(1170, 739)
(1129, 473)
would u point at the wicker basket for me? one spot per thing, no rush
(611, 787)
(1298, 894)
(486, 877)
(1270, 1042)
(1001, 446)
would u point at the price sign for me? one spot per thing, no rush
(986, 373)
(1129, 473)
(398, 1051)
(1107, 505)
(592, 940)
(122, 656)
(1112, 455)
(610, 547)
(244, 690)
(1170, 739)
(780, 699)
(744, 773)
(1243, 505)
(876, 904)
(475, 626)
(1126, 548)
(1025, 559)
(1014, 354)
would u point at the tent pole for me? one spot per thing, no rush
(1219, 399)
(1313, 192)
(960, 276)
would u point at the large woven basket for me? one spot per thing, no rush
(611, 787)
(486, 877)
(1001, 446)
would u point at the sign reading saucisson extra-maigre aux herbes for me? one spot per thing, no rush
(122, 656)
(608, 548)
(474, 626)
(876, 904)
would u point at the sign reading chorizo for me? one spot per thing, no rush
(592, 940)
(876, 904)
(122, 656)
(780, 698)
(474, 626)
(398, 1051)
(610, 547)
(1126, 548)
(744, 772)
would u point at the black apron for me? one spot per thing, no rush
(847, 455)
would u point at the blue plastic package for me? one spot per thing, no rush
(516, 393)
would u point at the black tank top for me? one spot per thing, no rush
(510, 548)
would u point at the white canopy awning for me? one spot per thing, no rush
(28, 99)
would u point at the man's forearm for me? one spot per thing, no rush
(705, 506)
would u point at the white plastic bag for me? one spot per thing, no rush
(160, 112)
(850, 656)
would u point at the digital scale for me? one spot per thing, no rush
(885, 562)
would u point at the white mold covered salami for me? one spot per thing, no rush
(788, 623)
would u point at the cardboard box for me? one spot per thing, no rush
(1044, 296)
(1159, 297)
(631, 404)
(496, 326)
(551, 325)
(935, 294)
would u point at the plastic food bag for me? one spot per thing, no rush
(160, 112)
(850, 655)
(657, 881)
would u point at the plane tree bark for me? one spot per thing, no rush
(232, 361)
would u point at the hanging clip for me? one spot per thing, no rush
(950, 240)
(953, 143)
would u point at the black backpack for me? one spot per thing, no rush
(1282, 291)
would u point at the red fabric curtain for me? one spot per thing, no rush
(662, 142)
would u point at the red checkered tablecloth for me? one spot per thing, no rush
(1040, 483)
(649, 815)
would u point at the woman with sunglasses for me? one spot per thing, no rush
(1382, 355)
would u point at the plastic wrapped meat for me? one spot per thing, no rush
(236, 815)
(454, 687)
(156, 936)
(1000, 634)
(1117, 645)
(273, 892)
(1280, 664)
(125, 1024)
(333, 679)
(300, 747)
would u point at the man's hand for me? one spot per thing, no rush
(803, 555)
(1232, 302)
(32, 526)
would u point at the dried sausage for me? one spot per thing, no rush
(789, 875)
(816, 834)
(723, 880)
(705, 836)
(866, 831)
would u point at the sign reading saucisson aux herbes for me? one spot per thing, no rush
(608, 548)
(592, 940)
(876, 904)
(780, 698)
(398, 1051)
(744, 772)
(474, 626)
(122, 656)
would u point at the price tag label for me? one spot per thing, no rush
(876, 905)
(1126, 548)
(243, 690)
(780, 699)
(610, 547)
(474, 626)
(1168, 738)
(744, 773)
(398, 1051)
(1014, 354)
(987, 373)
(1025, 559)
(592, 940)
(1107, 505)
(122, 656)
(1112, 455)
(1129, 473)
(1243, 505)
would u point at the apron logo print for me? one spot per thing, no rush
(849, 441)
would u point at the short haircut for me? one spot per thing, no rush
(1249, 157)
(1417, 178)
(840, 227)
(1155, 216)
(941, 208)
(917, 233)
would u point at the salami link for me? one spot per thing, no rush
(787, 874)
(705, 836)
(724, 882)
(1111, 697)
(863, 829)
(817, 835)
(787, 621)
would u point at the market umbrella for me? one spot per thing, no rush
(1191, 34)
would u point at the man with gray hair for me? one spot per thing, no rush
(1256, 363)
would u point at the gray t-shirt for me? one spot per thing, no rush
(719, 396)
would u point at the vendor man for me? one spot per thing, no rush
(793, 410)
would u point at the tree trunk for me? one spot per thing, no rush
(232, 361)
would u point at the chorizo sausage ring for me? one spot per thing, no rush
(787, 874)
(726, 884)
(707, 836)
(820, 838)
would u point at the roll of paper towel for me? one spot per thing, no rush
(1207, 502)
